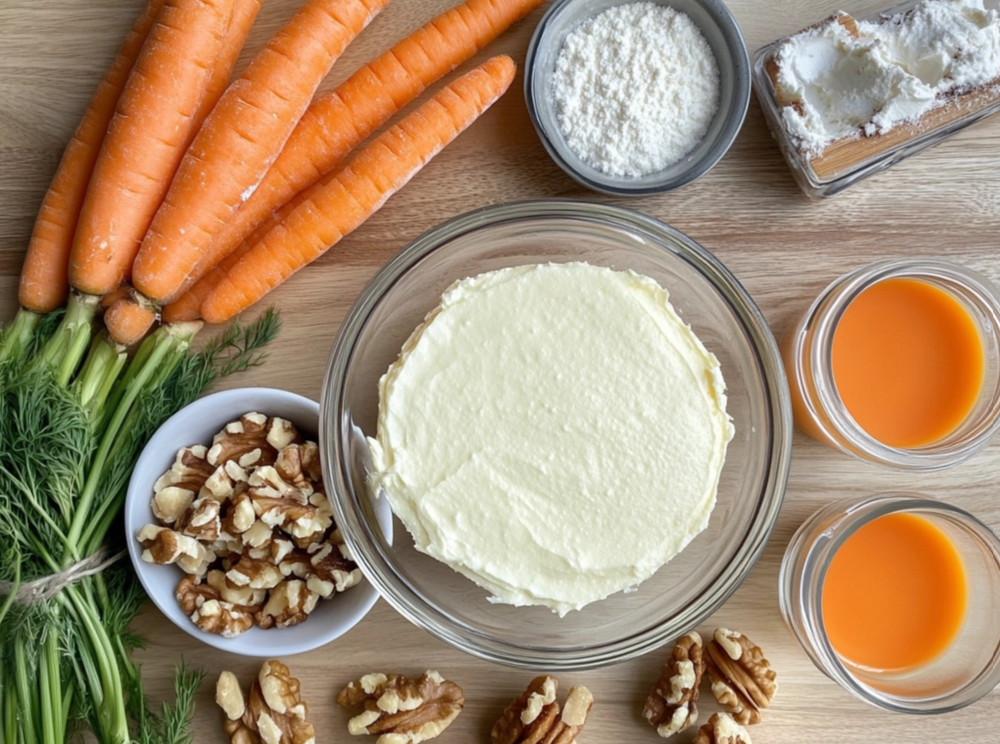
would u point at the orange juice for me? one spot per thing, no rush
(894, 596)
(908, 362)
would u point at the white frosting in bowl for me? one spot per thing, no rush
(554, 432)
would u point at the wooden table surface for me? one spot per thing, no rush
(944, 202)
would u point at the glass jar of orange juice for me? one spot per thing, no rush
(896, 598)
(898, 363)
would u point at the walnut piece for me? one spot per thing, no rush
(209, 611)
(534, 717)
(240, 439)
(671, 705)
(288, 604)
(273, 713)
(174, 491)
(721, 729)
(400, 710)
(742, 679)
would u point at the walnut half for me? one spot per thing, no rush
(400, 710)
(534, 716)
(273, 713)
(742, 679)
(671, 705)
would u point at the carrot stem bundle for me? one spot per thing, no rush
(358, 190)
(153, 124)
(337, 122)
(242, 136)
(45, 277)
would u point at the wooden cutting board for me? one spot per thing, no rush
(784, 248)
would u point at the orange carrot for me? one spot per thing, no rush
(45, 276)
(153, 125)
(111, 297)
(240, 23)
(357, 191)
(242, 136)
(337, 122)
(129, 319)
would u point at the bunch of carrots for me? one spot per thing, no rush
(184, 198)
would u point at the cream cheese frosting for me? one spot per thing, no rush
(554, 432)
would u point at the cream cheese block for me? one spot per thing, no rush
(554, 432)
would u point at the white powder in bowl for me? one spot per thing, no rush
(636, 88)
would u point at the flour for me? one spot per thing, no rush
(636, 88)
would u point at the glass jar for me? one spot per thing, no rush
(967, 670)
(807, 349)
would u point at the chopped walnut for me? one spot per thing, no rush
(243, 596)
(671, 705)
(330, 571)
(209, 612)
(254, 573)
(249, 515)
(165, 546)
(289, 603)
(201, 521)
(174, 491)
(722, 729)
(281, 433)
(400, 710)
(273, 713)
(535, 717)
(742, 679)
(238, 515)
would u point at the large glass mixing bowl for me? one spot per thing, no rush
(685, 591)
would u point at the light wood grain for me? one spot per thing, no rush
(784, 248)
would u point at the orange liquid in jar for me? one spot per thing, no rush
(894, 596)
(908, 362)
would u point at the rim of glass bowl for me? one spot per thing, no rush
(335, 425)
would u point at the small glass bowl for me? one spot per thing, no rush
(820, 411)
(837, 170)
(722, 33)
(965, 672)
(685, 591)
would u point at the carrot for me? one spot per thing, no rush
(337, 122)
(128, 320)
(45, 277)
(242, 136)
(152, 126)
(357, 191)
(244, 14)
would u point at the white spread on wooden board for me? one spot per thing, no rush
(891, 72)
(635, 89)
(554, 432)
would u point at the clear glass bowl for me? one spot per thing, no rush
(689, 588)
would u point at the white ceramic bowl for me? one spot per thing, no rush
(196, 424)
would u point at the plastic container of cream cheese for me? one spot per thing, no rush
(849, 97)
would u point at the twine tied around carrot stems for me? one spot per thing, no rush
(46, 587)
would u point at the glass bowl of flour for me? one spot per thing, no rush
(525, 237)
(635, 97)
